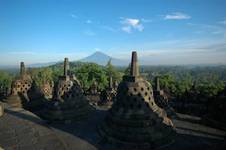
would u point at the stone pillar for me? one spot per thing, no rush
(157, 85)
(1, 109)
(134, 70)
(115, 84)
(66, 66)
(110, 82)
(22, 69)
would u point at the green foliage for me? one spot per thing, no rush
(127, 70)
(178, 79)
(41, 75)
(5, 79)
(167, 82)
(174, 79)
(90, 72)
(210, 89)
(112, 71)
(56, 72)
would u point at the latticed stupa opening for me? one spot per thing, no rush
(134, 119)
(19, 88)
(69, 102)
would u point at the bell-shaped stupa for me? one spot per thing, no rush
(107, 96)
(69, 102)
(19, 88)
(135, 121)
(162, 100)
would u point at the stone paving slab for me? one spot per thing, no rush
(22, 130)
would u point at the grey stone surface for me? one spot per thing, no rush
(134, 120)
(1, 109)
(20, 129)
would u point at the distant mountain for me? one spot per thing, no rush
(36, 65)
(41, 64)
(102, 59)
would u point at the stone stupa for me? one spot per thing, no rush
(108, 95)
(19, 88)
(37, 99)
(69, 102)
(1, 109)
(135, 121)
(162, 100)
(93, 90)
(47, 89)
(93, 94)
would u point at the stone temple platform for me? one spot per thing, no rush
(22, 130)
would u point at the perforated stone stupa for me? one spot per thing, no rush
(93, 90)
(108, 95)
(37, 99)
(19, 88)
(135, 121)
(162, 100)
(68, 102)
(47, 89)
(93, 94)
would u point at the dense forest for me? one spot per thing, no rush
(175, 80)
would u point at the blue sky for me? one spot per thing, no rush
(162, 31)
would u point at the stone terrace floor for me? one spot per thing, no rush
(22, 130)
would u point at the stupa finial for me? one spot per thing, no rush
(157, 85)
(134, 70)
(22, 68)
(66, 66)
(110, 82)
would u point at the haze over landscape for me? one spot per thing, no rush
(162, 32)
(112, 74)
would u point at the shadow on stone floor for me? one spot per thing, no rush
(86, 131)
(23, 114)
(73, 133)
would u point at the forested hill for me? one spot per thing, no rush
(208, 80)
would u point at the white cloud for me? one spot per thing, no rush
(223, 22)
(97, 49)
(74, 16)
(127, 29)
(39, 56)
(109, 28)
(174, 52)
(208, 29)
(130, 24)
(89, 33)
(146, 20)
(176, 16)
(139, 27)
(88, 21)
(22, 53)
